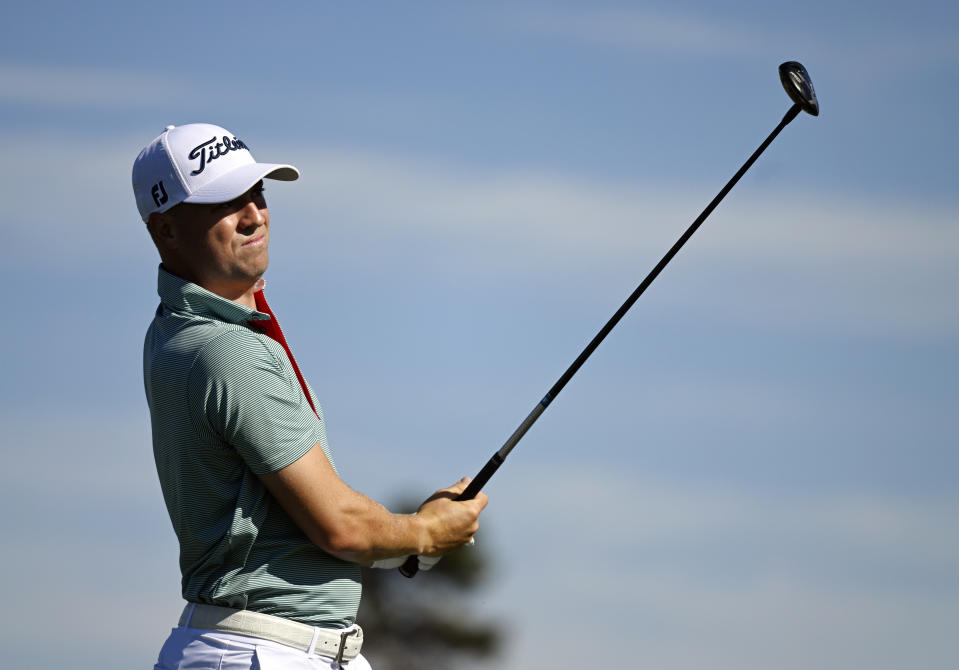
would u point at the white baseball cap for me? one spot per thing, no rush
(198, 163)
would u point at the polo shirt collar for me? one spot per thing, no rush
(183, 296)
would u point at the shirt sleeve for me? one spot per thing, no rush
(249, 396)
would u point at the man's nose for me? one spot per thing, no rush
(252, 214)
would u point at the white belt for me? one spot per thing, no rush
(338, 645)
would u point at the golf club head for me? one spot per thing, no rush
(798, 85)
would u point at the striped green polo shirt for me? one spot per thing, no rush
(226, 406)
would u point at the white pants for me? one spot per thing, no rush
(195, 649)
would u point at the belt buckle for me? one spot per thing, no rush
(338, 660)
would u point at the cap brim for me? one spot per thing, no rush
(236, 182)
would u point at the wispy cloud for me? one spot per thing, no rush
(856, 53)
(832, 253)
(897, 529)
(638, 29)
(84, 533)
(756, 577)
(66, 86)
(876, 265)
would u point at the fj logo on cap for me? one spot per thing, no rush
(159, 193)
(206, 153)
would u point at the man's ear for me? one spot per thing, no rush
(162, 227)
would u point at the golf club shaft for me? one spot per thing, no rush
(410, 568)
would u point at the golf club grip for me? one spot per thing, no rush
(412, 565)
(483, 476)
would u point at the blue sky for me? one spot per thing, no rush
(758, 468)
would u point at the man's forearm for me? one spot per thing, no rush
(351, 526)
(362, 531)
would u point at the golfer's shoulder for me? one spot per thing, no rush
(234, 350)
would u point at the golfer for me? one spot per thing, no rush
(271, 539)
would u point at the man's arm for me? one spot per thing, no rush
(351, 526)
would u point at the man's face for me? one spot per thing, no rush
(224, 247)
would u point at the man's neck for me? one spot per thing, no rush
(246, 298)
(238, 291)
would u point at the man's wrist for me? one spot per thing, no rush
(421, 534)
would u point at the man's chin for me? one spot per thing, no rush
(256, 266)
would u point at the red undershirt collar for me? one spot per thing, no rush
(271, 328)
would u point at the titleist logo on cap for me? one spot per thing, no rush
(206, 153)
(178, 166)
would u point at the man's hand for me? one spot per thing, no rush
(450, 523)
(445, 525)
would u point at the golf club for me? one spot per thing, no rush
(799, 87)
